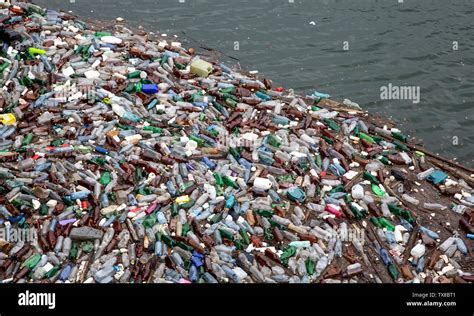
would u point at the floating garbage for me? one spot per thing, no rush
(7, 119)
(132, 159)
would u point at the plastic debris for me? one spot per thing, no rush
(133, 159)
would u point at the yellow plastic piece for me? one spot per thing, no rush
(7, 119)
(201, 68)
(182, 199)
(36, 51)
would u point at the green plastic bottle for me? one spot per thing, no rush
(53, 271)
(310, 267)
(401, 147)
(357, 213)
(367, 138)
(386, 223)
(376, 222)
(73, 252)
(377, 190)
(288, 252)
(332, 125)
(168, 240)
(149, 221)
(27, 140)
(134, 74)
(231, 102)
(268, 234)
(400, 136)
(32, 261)
(264, 213)
(105, 178)
(185, 229)
(394, 209)
(4, 66)
(229, 182)
(392, 269)
(201, 142)
(219, 180)
(384, 160)
(226, 234)
(368, 176)
(318, 160)
(102, 34)
(273, 141)
(184, 246)
(153, 129)
(245, 237)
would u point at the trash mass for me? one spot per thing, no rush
(136, 160)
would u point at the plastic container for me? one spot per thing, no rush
(201, 68)
(418, 251)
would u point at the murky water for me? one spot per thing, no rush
(349, 49)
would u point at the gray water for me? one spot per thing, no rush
(300, 45)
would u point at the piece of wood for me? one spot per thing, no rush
(410, 243)
(430, 154)
(351, 183)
